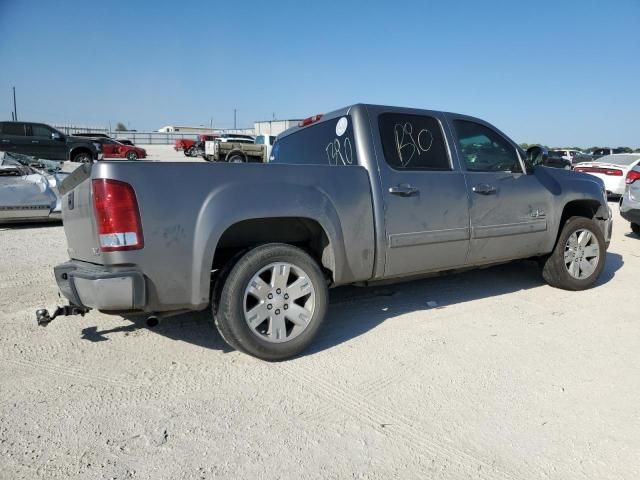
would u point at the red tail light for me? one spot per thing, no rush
(309, 120)
(604, 171)
(632, 176)
(117, 215)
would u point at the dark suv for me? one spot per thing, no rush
(43, 141)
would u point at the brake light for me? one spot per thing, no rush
(604, 171)
(632, 176)
(309, 120)
(117, 215)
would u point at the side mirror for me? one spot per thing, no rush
(537, 155)
(56, 136)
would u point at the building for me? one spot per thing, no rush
(273, 127)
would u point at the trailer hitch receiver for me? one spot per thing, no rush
(44, 317)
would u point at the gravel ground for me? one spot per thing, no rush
(501, 377)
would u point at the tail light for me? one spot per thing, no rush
(632, 176)
(309, 120)
(117, 215)
(614, 172)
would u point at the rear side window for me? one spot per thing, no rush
(413, 142)
(13, 128)
(326, 143)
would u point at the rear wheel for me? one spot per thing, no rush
(82, 157)
(236, 157)
(272, 302)
(635, 228)
(189, 152)
(578, 257)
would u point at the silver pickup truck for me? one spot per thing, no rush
(364, 194)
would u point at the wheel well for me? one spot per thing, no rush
(304, 233)
(577, 208)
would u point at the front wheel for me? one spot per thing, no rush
(578, 257)
(82, 157)
(272, 302)
(131, 155)
(635, 228)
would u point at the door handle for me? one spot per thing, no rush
(484, 189)
(403, 190)
(35, 141)
(5, 141)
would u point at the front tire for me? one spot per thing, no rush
(131, 155)
(82, 157)
(578, 257)
(272, 302)
(635, 228)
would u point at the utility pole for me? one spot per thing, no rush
(13, 117)
(15, 110)
(234, 119)
(211, 123)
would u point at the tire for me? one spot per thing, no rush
(236, 157)
(254, 291)
(635, 228)
(591, 256)
(131, 155)
(82, 157)
(189, 152)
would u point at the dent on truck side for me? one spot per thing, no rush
(337, 198)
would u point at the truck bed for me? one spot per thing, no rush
(186, 207)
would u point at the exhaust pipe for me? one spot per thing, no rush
(152, 321)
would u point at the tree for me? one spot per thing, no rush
(121, 127)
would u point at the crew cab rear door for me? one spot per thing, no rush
(508, 207)
(425, 198)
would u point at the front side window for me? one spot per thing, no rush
(329, 142)
(260, 140)
(41, 131)
(484, 150)
(413, 142)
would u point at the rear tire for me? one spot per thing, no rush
(82, 157)
(272, 302)
(635, 228)
(577, 260)
(236, 157)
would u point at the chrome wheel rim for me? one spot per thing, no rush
(279, 302)
(131, 156)
(581, 254)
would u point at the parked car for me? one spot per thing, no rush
(114, 149)
(567, 154)
(28, 193)
(364, 194)
(555, 159)
(612, 169)
(235, 149)
(43, 141)
(630, 201)
(183, 144)
(601, 152)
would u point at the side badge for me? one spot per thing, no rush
(70, 201)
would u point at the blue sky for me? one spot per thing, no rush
(556, 72)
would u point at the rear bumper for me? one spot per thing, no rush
(94, 286)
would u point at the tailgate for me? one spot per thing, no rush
(77, 215)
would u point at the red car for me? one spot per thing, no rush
(114, 149)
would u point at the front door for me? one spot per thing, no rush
(425, 198)
(43, 144)
(508, 207)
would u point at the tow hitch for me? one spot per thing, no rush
(44, 318)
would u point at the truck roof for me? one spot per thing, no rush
(347, 110)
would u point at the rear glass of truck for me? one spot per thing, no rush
(329, 142)
(413, 142)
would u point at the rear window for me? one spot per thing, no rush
(326, 143)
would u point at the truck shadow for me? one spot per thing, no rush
(353, 311)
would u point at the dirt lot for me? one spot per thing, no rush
(501, 377)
